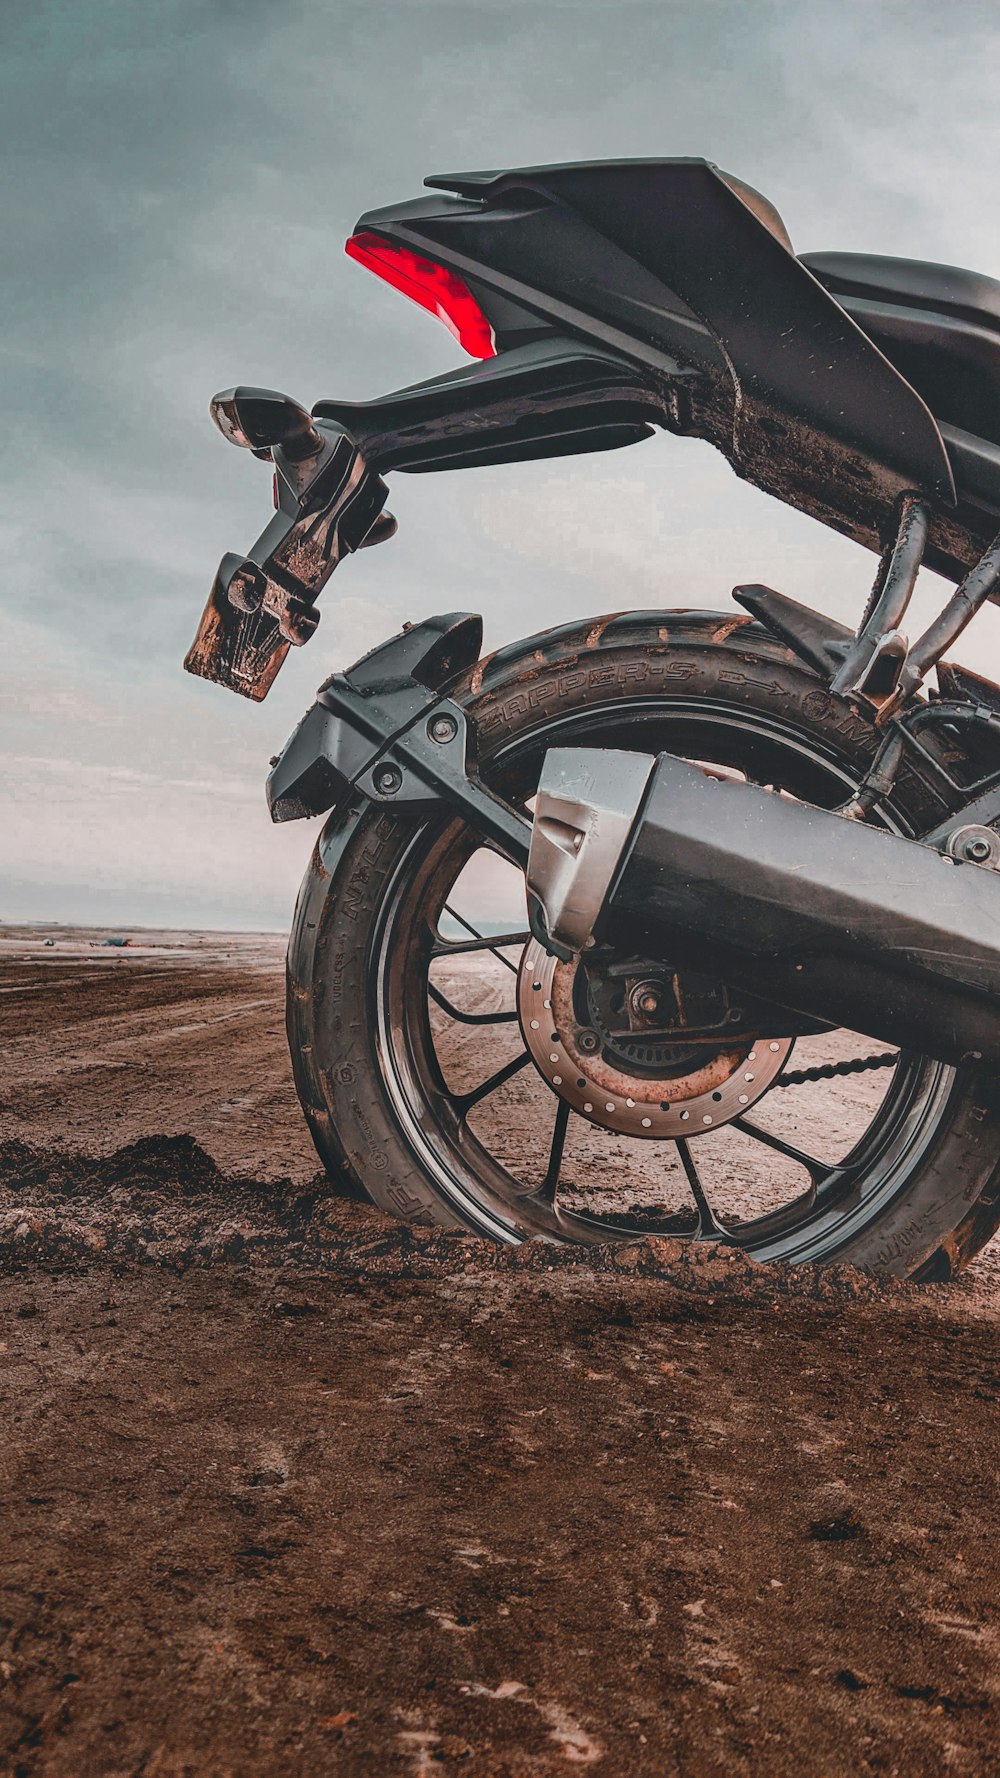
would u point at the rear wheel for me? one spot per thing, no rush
(419, 1007)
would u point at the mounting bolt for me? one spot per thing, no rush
(588, 1041)
(975, 844)
(442, 728)
(388, 780)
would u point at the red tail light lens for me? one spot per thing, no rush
(430, 285)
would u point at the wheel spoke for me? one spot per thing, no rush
(468, 1018)
(550, 1184)
(817, 1170)
(463, 1102)
(477, 941)
(707, 1222)
(457, 947)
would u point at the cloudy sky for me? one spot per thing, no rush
(180, 178)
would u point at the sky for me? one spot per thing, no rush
(180, 176)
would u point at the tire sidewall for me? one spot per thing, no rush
(950, 1204)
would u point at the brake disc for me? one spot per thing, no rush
(731, 1078)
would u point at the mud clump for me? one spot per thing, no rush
(718, 1270)
(163, 1201)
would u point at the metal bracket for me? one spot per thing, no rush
(877, 665)
(874, 660)
(977, 805)
(979, 585)
(880, 666)
(386, 731)
(433, 760)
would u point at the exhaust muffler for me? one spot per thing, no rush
(819, 915)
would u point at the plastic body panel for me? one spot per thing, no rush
(546, 398)
(688, 274)
(938, 324)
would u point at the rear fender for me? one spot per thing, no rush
(391, 686)
(388, 730)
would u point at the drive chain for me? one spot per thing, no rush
(799, 1077)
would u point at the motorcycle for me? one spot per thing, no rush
(707, 840)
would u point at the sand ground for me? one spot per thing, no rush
(289, 1489)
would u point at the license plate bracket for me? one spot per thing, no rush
(264, 603)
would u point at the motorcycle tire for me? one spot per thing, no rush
(918, 1192)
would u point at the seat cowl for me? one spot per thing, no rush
(938, 325)
(976, 462)
(483, 186)
(814, 395)
(915, 283)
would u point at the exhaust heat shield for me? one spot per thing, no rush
(817, 914)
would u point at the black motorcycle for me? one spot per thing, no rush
(703, 841)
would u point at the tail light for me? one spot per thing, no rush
(430, 285)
